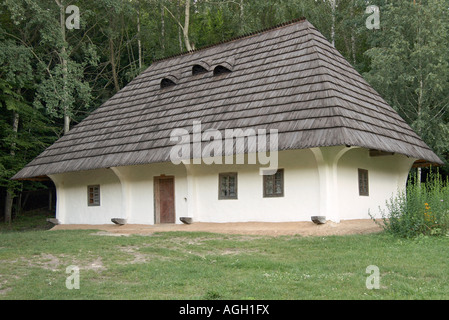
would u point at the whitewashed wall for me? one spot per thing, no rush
(128, 192)
(138, 182)
(125, 192)
(387, 175)
(300, 199)
(71, 196)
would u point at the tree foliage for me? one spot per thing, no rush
(410, 66)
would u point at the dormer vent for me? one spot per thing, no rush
(169, 81)
(198, 69)
(224, 66)
(220, 69)
(165, 83)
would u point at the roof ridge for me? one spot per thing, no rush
(245, 35)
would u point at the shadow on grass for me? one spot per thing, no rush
(28, 221)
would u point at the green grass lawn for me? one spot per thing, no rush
(216, 266)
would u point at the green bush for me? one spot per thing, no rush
(422, 209)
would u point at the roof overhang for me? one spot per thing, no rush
(38, 178)
(424, 163)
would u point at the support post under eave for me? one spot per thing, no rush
(327, 160)
(126, 199)
(60, 197)
(191, 191)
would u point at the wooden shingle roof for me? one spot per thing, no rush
(288, 78)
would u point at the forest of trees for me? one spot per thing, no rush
(53, 73)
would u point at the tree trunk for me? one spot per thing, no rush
(8, 206)
(112, 61)
(353, 47)
(139, 44)
(185, 30)
(179, 25)
(63, 57)
(15, 129)
(333, 8)
(9, 193)
(50, 199)
(19, 205)
(163, 28)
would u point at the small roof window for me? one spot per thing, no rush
(198, 69)
(165, 83)
(221, 70)
(169, 81)
(224, 66)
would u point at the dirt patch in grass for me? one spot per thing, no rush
(345, 227)
(55, 263)
(3, 283)
(137, 256)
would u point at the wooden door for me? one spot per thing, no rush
(164, 194)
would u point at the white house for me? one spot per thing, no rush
(337, 149)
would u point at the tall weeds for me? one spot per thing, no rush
(422, 209)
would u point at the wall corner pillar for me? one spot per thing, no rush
(61, 209)
(191, 191)
(327, 160)
(126, 193)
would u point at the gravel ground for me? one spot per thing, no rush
(345, 227)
